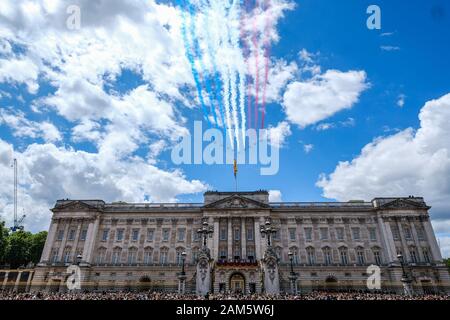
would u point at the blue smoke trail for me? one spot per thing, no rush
(198, 54)
(217, 87)
(191, 62)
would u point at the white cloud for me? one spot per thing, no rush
(48, 173)
(308, 148)
(401, 100)
(308, 102)
(406, 163)
(21, 70)
(390, 48)
(23, 127)
(278, 135)
(275, 196)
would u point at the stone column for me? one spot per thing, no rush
(387, 240)
(77, 239)
(257, 234)
(406, 256)
(416, 241)
(30, 277)
(17, 283)
(45, 257)
(63, 243)
(230, 240)
(89, 245)
(215, 248)
(431, 239)
(5, 280)
(243, 240)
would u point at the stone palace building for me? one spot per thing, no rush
(245, 244)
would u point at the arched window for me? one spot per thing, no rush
(279, 252)
(195, 255)
(310, 252)
(426, 255)
(55, 255)
(327, 255)
(163, 255)
(67, 254)
(295, 258)
(413, 254)
(360, 256)
(179, 256)
(148, 253)
(343, 253)
(101, 255)
(115, 258)
(132, 255)
(377, 255)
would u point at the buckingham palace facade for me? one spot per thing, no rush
(239, 241)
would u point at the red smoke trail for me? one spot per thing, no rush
(267, 60)
(246, 54)
(255, 48)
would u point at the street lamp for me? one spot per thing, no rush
(182, 275)
(79, 258)
(204, 231)
(293, 275)
(406, 280)
(268, 230)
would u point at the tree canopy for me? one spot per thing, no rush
(21, 247)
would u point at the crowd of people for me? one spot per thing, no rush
(114, 295)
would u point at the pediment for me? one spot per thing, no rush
(75, 206)
(236, 202)
(403, 204)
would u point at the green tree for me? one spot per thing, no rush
(447, 262)
(4, 232)
(37, 245)
(18, 249)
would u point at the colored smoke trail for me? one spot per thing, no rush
(223, 51)
(192, 63)
(267, 27)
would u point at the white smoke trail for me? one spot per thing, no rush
(222, 47)
(233, 31)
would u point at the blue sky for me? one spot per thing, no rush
(94, 112)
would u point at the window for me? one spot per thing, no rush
(163, 256)
(311, 255)
(395, 233)
(356, 233)
(71, 234)
(237, 234)
(295, 258)
(292, 235)
(360, 256)
(340, 233)
(83, 234)
(308, 234)
(323, 233)
(194, 255)
(55, 255)
(223, 254)
(60, 235)
(344, 256)
(67, 255)
(179, 257)
(426, 255)
(413, 254)
(250, 234)
(196, 236)
(373, 234)
(327, 255)
(250, 255)
(407, 231)
(223, 234)
(150, 234)
(135, 235)
(377, 256)
(420, 233)
(165, 234)
(132, 253)
(181, 233)
(101, 255)
(119, 235)
(237, 253)
(105, 235)
(276, 235)
(148, 256)
(115, 259)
